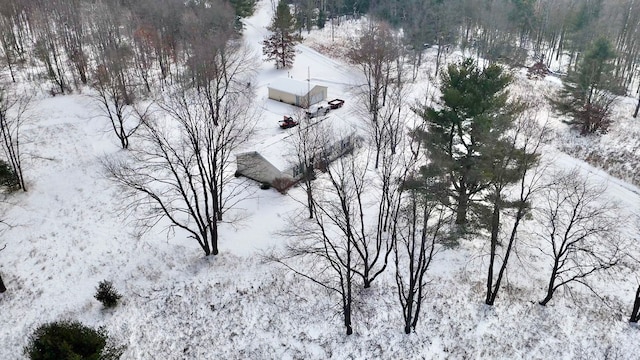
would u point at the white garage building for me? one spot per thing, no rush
(295, 92)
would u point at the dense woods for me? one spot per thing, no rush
(142, 44)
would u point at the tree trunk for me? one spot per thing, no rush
(11, 71)
(347, 298)
(495, 227)
(635, 113)
(347, 319)
(507, 253)
(367, 281)
(560, 44)
(3, 288)
(635, 314)
(214, 237)
(463, 203)
(408, 312)
(310, 201)
(552, 281)
(546, 299)
(438, 57)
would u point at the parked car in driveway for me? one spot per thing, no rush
(287, 122)
(318, 110)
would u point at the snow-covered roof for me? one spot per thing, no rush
(292, 86)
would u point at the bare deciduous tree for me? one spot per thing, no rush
(48, 50)
(326, 244)
(580, 228)
(342, 237)
(112, 102)
(174, 172)
(308, 143)
(9, 46)
(221, 69)
(391, 164)
(516, 170)
(206, 31)
(157, 26)
(71, 27)
(226, 90)
(375, 53)
(168, 177)
(327, 261)
(113, 51)
(342, 204)
(13, 115)
(420, 224)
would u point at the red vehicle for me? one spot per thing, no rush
(287, 122)
(336, 103)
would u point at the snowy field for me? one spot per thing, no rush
(68, 233)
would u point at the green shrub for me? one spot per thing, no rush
(107, 294)
(8, 177)
(64, 340)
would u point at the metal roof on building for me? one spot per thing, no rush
(293, 86)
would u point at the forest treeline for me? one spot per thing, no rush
(507, 31)
(139, 43)
(70, 40)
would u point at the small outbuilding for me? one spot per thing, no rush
(295, 92)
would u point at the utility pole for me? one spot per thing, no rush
(308, 87)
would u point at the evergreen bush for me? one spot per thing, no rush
(107, 294)
(66, 340)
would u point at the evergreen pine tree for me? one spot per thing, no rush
(464, 130)
(280, 45)
(589, 91)
(322, 19)
(243, 8)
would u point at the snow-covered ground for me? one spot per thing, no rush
(69, 233)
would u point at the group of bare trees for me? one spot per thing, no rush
(173, 75)
(180, 168)
(556, 32)
(472, 167)
(351, 236)
(126, 51)
(504, 30)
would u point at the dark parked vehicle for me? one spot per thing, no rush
(287, 122)
(336, 103)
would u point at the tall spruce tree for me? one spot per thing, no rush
(589, 91)
(280, 45)
(463, 130)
